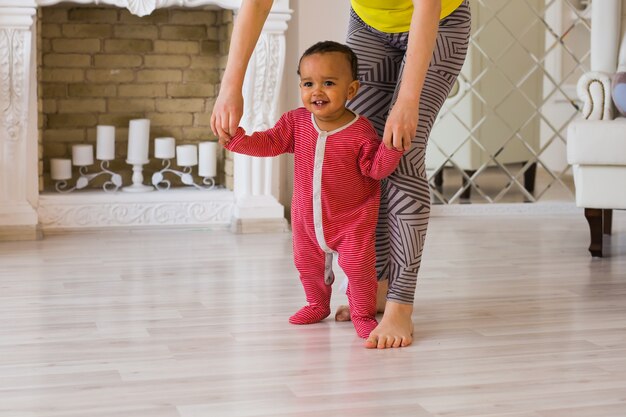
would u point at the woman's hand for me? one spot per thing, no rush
(226, 115)
(401, 125)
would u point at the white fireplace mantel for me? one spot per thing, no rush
(24, 212)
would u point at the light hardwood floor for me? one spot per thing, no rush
(513, 318)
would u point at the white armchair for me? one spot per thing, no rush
(596, 142)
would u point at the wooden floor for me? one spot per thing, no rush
(513, 319)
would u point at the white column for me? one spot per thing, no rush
(606, 19)
(256, 208)
(18, 137)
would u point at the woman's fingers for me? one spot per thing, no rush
(219, 126)
(400, 128)
(388, 138)
(213, 125)
(226, 114)
(400, 137)
(232, 125)
(398, 141)
(407, 141)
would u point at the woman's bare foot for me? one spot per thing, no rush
(395, 329)
(343, 311)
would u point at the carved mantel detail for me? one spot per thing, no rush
(179, 208)
(139, 7)
(260, 111)
(12, 81)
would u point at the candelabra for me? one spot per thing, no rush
(85, 178)
(160, 183)
(187, 156)
(82, 157)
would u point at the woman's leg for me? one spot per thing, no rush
(380, 64)
(405, 201)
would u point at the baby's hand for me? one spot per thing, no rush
(224, 140)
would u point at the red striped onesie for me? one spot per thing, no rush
(334, 208)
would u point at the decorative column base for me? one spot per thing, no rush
(19, 222)
(258, 214)
(16, 233)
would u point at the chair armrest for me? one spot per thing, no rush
(594, 89)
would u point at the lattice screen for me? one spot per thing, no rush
(501, 135)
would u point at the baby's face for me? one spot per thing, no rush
(326, 84)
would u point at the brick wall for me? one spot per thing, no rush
(103, 65)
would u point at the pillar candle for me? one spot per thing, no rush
(82, 155)
(164, 148)
(138, 141)
(207, 159)
(105, 143)
(186, 155)
(60, 169)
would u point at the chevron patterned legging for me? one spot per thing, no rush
(405, 199)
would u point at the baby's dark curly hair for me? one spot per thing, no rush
(332, 46)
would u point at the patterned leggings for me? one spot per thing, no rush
(405, 199)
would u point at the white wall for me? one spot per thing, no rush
(311, 22)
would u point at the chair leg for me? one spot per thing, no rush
(468, 191)
(607, 221)
(594, 218)
(529, 178)
(439, 180)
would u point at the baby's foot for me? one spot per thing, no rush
(310, 314)
(364, 325)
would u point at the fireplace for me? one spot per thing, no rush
(29, 135)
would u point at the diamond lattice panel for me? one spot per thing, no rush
(501, 138)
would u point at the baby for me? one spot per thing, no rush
(339, 160)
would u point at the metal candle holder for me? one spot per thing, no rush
(85, 178)
(161, 184)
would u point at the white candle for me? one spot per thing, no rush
(207, 159)
(60, 169)
(186, 155)
(164, 148)
(138, 141)
(82, 155)
(105, 143)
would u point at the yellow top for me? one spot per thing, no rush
(394, 16)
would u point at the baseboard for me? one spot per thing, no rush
(245, 226)
(17, 233)
(505, 209)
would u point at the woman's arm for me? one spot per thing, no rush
(228, 107)
(402, 121)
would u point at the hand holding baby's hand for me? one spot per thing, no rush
(401, 126)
